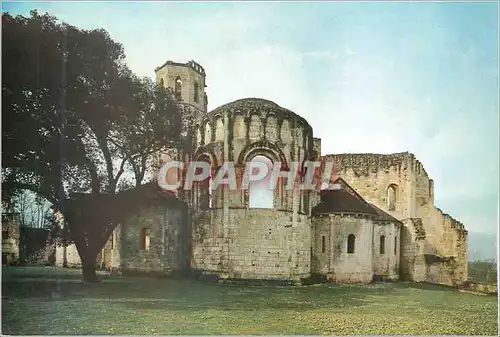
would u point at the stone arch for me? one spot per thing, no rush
(392, 197)
(239, 127)
(206, 154)
(219, 129)
(264, 148)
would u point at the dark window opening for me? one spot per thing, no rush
(323, 246)
(350, 243)
(196, 93)
(382, 244)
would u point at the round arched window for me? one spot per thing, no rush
(261, 191)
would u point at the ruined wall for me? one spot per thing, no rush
(10, 238)
(426, 230)
(266, 244)
(386, 261)
(168, 248)
(321, 244)
(208, 242)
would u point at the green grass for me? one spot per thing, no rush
(48, 301)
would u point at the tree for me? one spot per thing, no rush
(75, 120)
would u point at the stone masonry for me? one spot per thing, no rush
(382, 223)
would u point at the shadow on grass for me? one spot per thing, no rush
(425, 286)
(46, 284)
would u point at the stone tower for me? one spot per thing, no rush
(187, 80)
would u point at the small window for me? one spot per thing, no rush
(145, 238)
(350, 243)
(162, 83)
(395, 245)
(382, 245)
(113, 240)
(196, 93)
(323, 246)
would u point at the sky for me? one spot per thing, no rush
(375, 77)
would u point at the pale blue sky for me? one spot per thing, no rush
(369, 77)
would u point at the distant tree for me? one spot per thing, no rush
(483, 271)
(75, 120)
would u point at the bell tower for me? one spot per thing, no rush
(187, 80)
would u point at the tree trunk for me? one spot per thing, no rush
(88, 267)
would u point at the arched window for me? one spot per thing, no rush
(382, 244)
(261, 193)
(395, 245)
(178, 88)
(391, 197)
(196, 93)
(351, 240)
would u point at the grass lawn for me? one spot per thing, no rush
(54, 301)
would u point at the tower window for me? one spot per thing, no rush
(391, 197)
(395, 245)
(196, 92)
(178, 88)
(323, 245)
(351, 239)
(382, 245)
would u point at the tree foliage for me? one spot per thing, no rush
(75, 121)
(483, 271)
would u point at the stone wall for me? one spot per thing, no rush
(168, 248)
(426, 231)
(334, 260)
(189, 74)
(67, 256)
(358, 266)
(386, 261)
